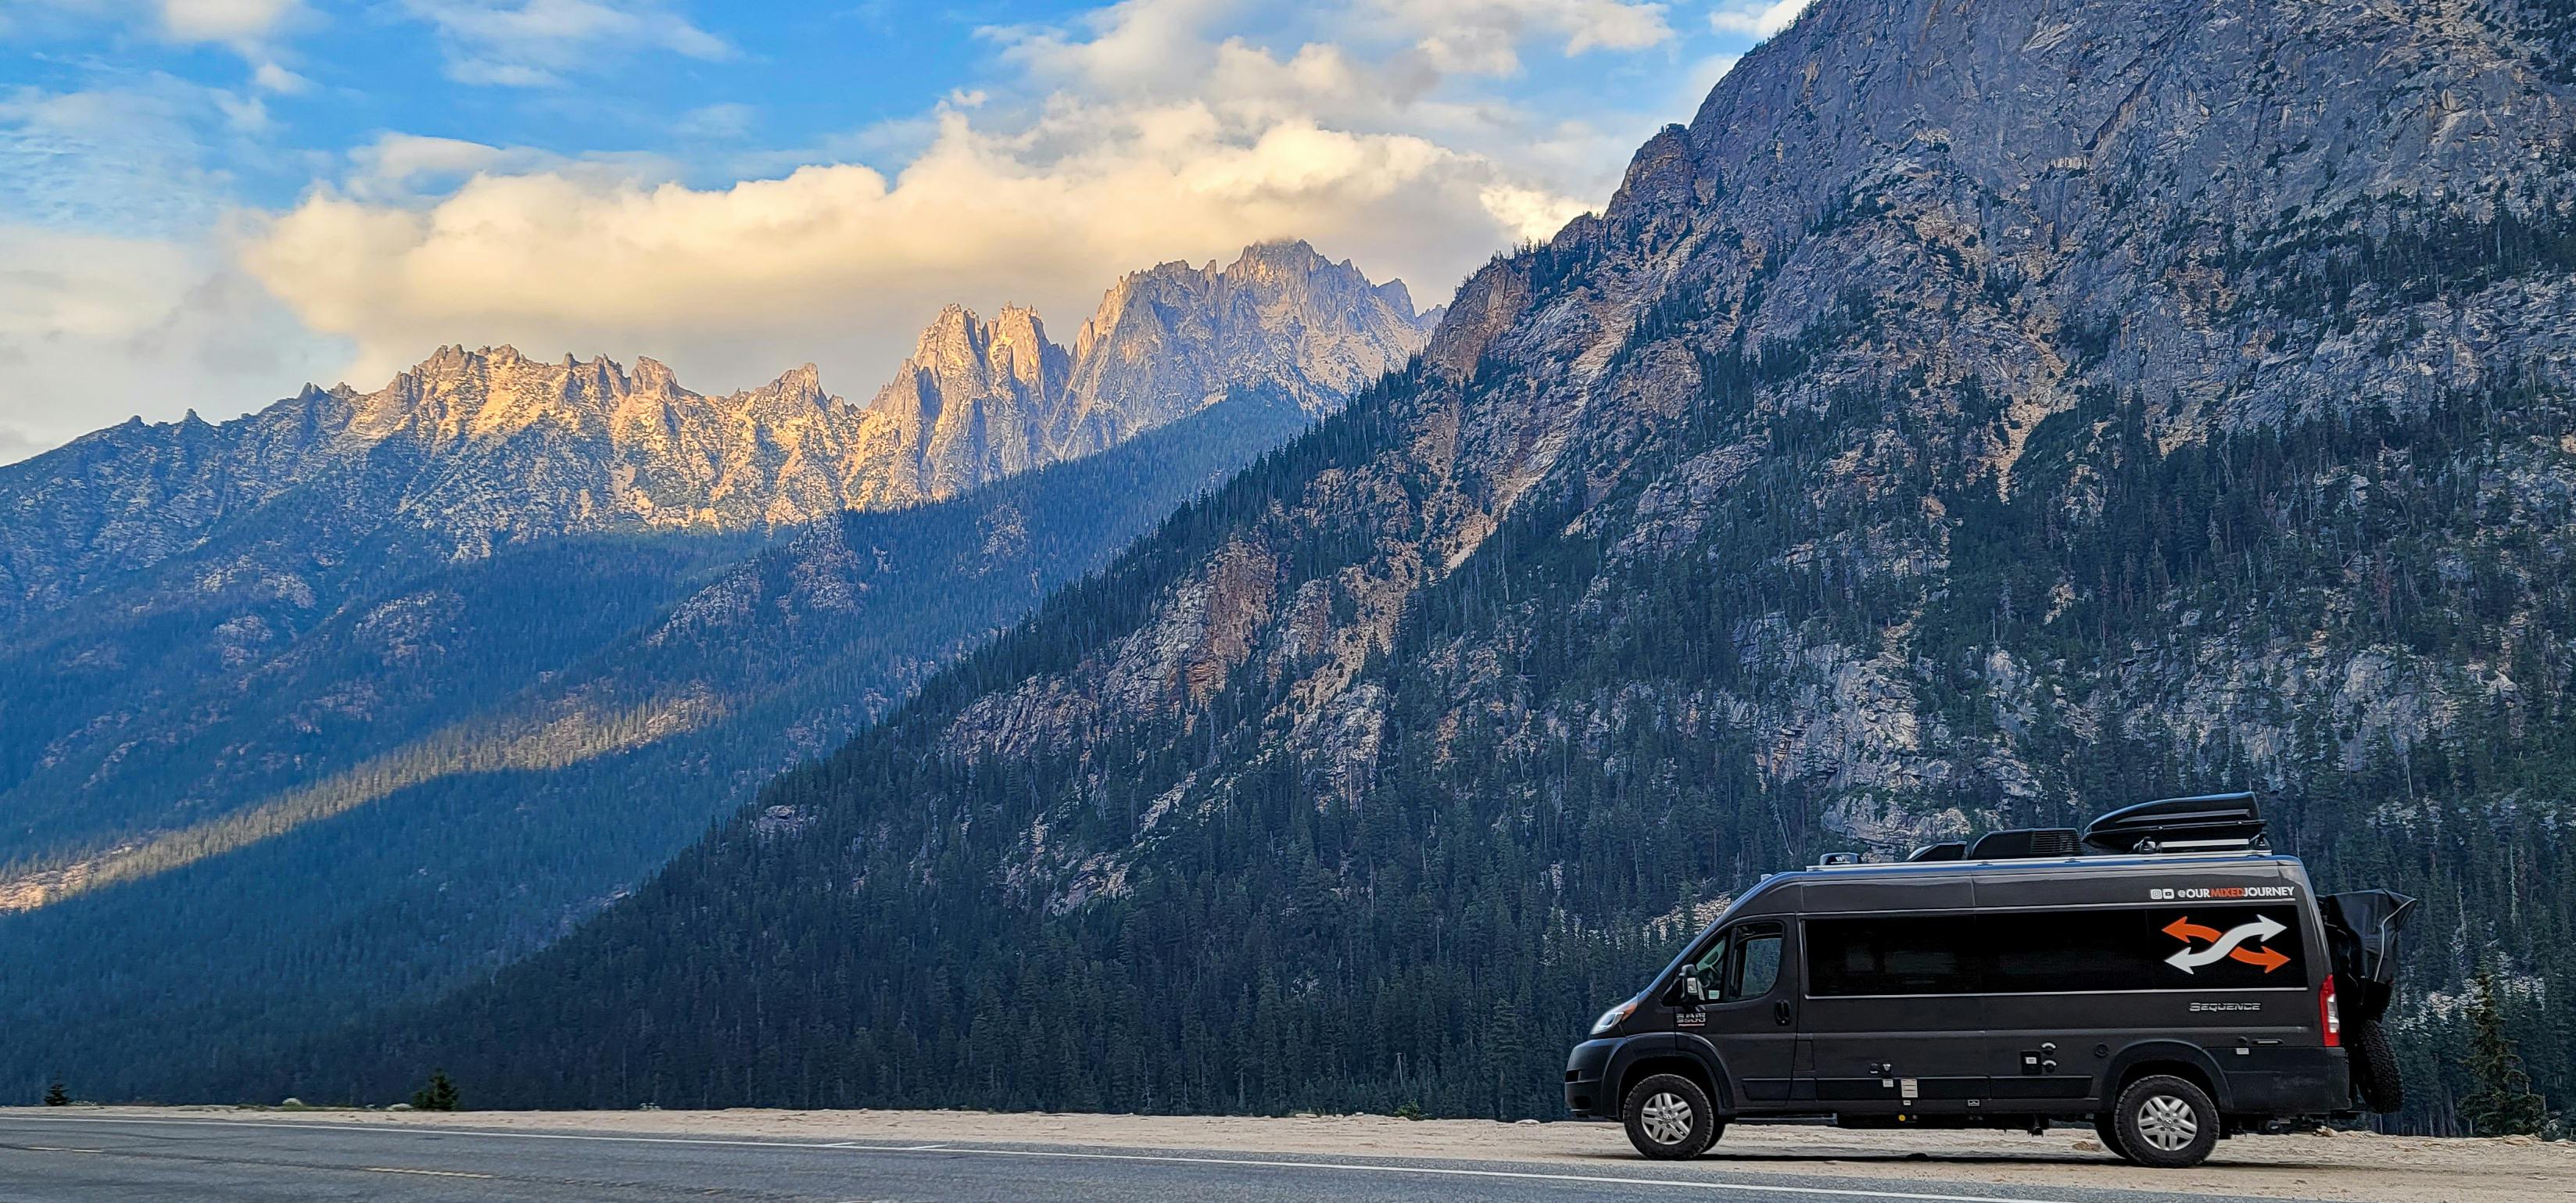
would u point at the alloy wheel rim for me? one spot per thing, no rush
(1666, 1119)
(2167, 1123)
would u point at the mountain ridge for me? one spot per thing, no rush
(589, 445)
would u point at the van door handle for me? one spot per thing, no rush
(1780, 1011)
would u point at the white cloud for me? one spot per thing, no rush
(1134, 46)
(537, 43)
(1756, 19)
(1484, 36)
(241, 23)
(94, 329)
(273, 78)
(225, 20)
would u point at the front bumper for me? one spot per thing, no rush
(1586, 1086)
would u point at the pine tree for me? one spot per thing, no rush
(439, 1095)
(55, 1095)
(2504, 1102)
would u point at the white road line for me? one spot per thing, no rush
(386, 1169)
(55, 1149)
(1170, 1159)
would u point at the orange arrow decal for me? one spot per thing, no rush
(2185, 930)
(2269, 959)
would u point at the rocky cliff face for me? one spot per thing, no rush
(1977, 414)
(973, 403)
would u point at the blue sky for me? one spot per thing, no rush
(205, 203)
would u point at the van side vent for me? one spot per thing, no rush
(2024, 843)
(2204, 823)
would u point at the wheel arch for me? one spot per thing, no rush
(2190, 1062)
(1640, 1059)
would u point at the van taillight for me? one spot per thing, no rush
(2329, 1016)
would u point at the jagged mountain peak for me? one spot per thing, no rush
(1280, 311)
(1293, 256)
(958, 332)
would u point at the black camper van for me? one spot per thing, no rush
(2160, 972)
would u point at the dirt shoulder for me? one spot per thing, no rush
(2387, 1169)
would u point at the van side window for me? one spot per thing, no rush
(1756, 967)
(1900, 954)
(1706, 968)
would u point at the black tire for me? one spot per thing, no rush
(2166, 1123)
(2105, 1127)
(2374, 1067)
(1669, 1118)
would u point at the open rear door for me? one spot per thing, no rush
(2362, 928)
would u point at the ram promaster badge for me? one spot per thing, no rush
(2160, 972)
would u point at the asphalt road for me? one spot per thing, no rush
(79, 1159)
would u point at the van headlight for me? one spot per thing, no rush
(1614, 1017)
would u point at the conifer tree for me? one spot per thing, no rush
(2504, 1103)
(55, 1095)
(439, 1095)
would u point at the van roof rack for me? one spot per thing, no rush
(2201, 823)
(2206, 823)
(2025, 843)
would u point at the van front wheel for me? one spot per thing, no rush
(1669, 1118)
(2166, 1122)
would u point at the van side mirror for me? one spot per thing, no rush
(1692, 988)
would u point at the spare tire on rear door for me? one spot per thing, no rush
(2374, 1067)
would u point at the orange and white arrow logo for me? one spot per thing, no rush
(2227, 945)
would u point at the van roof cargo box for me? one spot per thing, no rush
(2204, 823)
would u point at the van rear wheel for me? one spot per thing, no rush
(1669, 1118)
(2107, 1126)
(2166, 1122)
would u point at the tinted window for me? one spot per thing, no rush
(2153, 948)
(1757, 969)
(1914, 954)
(1706, 967)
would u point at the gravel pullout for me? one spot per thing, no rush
(2357, 1166)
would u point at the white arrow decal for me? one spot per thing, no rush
(2264, 927)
